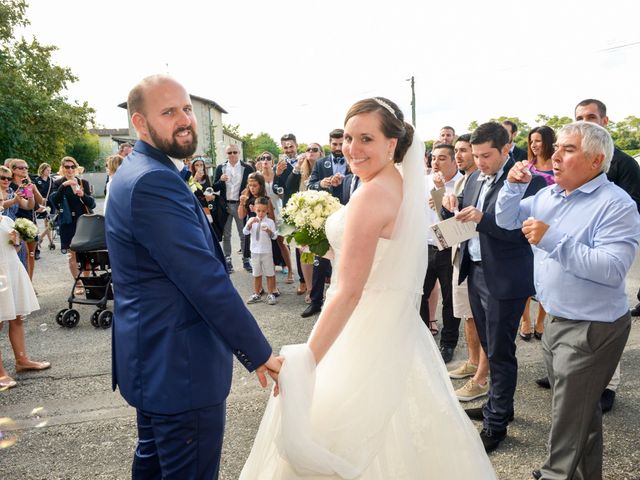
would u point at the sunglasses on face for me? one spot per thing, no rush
(265, 158)
(232, 153)
(6, 179)
(20, 168)
(69, 167)
(313, 149)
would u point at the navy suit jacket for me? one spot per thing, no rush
(507, 258)
(178, 320)
(320, 171)
(519, 154)
(285, 182)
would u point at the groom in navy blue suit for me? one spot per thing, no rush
(178, 320)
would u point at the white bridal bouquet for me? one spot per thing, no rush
(304, 217)
(27, 230)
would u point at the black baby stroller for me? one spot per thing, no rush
(89, 244)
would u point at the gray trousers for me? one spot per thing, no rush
(232, 210)
(580, 357)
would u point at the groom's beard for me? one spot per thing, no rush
(171, 147)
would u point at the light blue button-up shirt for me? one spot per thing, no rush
(581, 262)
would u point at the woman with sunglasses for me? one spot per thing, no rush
(298, 182)
(10, 199)
(264, 165)
(18, 298)
(73, 198)
(22, 183)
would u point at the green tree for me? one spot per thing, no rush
(86, 150)
(626, 133)
(36, 120)
(554, 122)
(254, 146)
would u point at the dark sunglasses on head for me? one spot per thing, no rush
(232, 153)
(69, 167)
(313, 149)
(20, 168)
(8, 179)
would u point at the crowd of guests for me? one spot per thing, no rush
(487, 283)
(55, 202)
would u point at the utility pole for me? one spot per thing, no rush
(413, 99)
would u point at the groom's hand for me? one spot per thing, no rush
(272, 368)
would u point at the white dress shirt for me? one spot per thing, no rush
(431, 213)
(233, 184)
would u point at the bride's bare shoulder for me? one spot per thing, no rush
(380, 196)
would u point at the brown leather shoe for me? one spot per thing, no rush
(32, 366)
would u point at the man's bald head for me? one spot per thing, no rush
(135, 101)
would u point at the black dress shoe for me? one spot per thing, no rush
(537, 474)
(446, 352)
(312, 309)
(492, 438)
(543, 382)
(37, 255)
(525, 336)
(606, 400)
(635, 311)
(476, 414)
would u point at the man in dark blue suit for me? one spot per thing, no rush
(327, 174)
(178, 320)
(516, 153)
(499, 266)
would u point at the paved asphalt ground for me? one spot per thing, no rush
(90, 431)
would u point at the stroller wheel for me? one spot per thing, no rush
(105, 319)
(94, 318)
(59, 316)
(70, 318)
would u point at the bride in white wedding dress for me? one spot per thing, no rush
(368, 396)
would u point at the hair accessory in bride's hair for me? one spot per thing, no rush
(384, 104)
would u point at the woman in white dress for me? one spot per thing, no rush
(368, 397)
(17, 299)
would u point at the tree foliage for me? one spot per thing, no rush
(554, 122)
(37, 122)
(626, 133)
(254, 146)
(86, 150)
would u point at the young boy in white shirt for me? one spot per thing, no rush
(262, 230)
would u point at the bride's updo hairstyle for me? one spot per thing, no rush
(392, 122)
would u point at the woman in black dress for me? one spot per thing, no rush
(73, 199)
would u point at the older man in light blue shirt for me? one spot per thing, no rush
(585, 233)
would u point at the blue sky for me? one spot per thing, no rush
(295, 66)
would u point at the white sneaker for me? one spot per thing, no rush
(271, 299)
(255, 298)
(472, 390)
